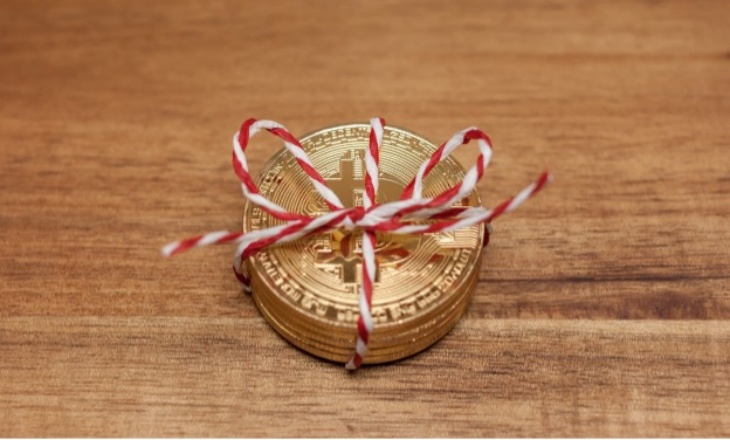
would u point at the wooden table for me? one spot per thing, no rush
(602, 306)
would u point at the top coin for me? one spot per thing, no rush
(317, 278)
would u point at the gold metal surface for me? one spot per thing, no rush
(307, 289)
(380, 351)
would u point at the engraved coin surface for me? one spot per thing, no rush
(308, 289)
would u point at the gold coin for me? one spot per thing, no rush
(421, 338)
(323, 336)
(308, 289)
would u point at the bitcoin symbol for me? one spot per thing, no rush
(340, 253)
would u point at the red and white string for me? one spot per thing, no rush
(403, 216)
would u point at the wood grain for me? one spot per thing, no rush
(602, 306)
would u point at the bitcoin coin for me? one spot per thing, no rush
(383, 351)
(308, 289)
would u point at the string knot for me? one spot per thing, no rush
(354, 215)
(403, 216)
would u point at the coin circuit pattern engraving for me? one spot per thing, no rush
(317, 277)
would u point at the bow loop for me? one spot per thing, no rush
(240, 165)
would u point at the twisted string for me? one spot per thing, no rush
(403, 216)
(369, 267)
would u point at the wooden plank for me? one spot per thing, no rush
(232, 376)
(602, 306)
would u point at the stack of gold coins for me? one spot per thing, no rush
(308, 289)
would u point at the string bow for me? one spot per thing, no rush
(404, 216)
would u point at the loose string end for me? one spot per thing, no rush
(218, 237)
(513, 203)
(351, 365)
(168, 250)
